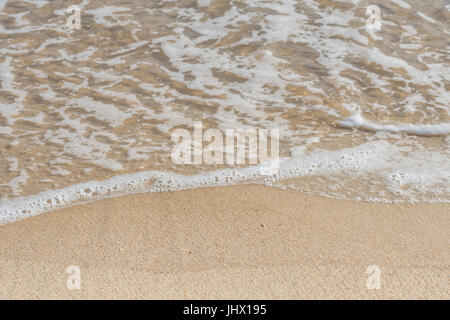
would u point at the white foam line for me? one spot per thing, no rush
(402, 4)
(142, 182)
(357, 121)
(367, 158)
(426, 17)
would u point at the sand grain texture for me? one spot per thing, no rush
(231, 242)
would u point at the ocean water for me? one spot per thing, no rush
(85, 114)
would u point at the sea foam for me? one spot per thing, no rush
(357, 121)
(364, 160)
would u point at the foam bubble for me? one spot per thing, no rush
(105, 98)
(357, 121)
(365, 159)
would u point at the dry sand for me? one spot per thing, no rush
(232, 242)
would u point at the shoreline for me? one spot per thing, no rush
(236, 242)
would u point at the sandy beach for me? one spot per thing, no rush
(241, 242)
(263, 112)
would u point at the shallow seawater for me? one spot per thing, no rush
(88, 113)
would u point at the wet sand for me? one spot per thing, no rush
(231, 242)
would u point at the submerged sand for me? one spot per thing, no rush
(238, 242)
